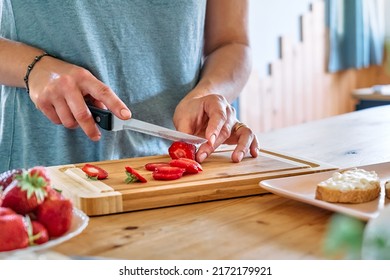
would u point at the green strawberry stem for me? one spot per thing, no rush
(29, 227)
(93, 178)
(131, 178)
(32, 184)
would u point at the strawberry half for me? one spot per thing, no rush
(153, 165)
(25, 192)
(168, 173)
(94, 172)
(133, 176)
(191, 166)
(182, 150)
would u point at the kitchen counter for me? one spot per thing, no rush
(264, 226)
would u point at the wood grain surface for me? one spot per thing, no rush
(263, 226)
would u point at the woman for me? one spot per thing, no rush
(173, 63)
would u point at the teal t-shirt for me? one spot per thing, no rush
(148, 51)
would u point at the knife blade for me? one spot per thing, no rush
(108, 121)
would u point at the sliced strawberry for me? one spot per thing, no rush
(94, 172)
(168, 173)
(153, 165)
(133, 176)
(13, 232)
(25, 192)
(191, 166)
(182, 150)
(55, 214)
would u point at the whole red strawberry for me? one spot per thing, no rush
(37, 233)
(26, 192)
(13, 233)
(6, 211)
(55, 214)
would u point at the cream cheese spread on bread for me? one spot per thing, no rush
(354, 185)
(351, 179)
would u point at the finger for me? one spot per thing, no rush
(255, 147)
(65, 115)
(218, 113)
(50, 113)
(246, 142)
(83, 116)
(92, 101)
(207, 149)
(105, 95)
(215, 140)
(220, 125)
(203, 152)
(98, 104)
(245, 138)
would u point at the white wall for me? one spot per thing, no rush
(270, 19)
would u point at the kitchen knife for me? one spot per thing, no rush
(108, 121)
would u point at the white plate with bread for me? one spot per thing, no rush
(324, 189)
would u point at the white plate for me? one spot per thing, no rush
(79, 223)
(303, 188)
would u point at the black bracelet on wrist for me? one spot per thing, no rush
(30, 67)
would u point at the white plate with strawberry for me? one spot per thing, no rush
(79, 223)
(34, 216)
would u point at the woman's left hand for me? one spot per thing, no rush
(212, 117)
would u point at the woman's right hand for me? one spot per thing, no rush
(60, 90)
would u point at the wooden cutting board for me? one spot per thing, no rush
(220, 179)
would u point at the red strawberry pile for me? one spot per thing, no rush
(31, 211)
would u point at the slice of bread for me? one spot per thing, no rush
(350, 186)
(387, 189)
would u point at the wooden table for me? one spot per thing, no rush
(258, 227)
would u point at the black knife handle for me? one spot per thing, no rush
(102, 117)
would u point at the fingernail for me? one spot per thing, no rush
(212, 139)
(202, 157)
(125, 113)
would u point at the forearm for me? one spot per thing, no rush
(226, 50)
(15, 57)
(225, 71)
